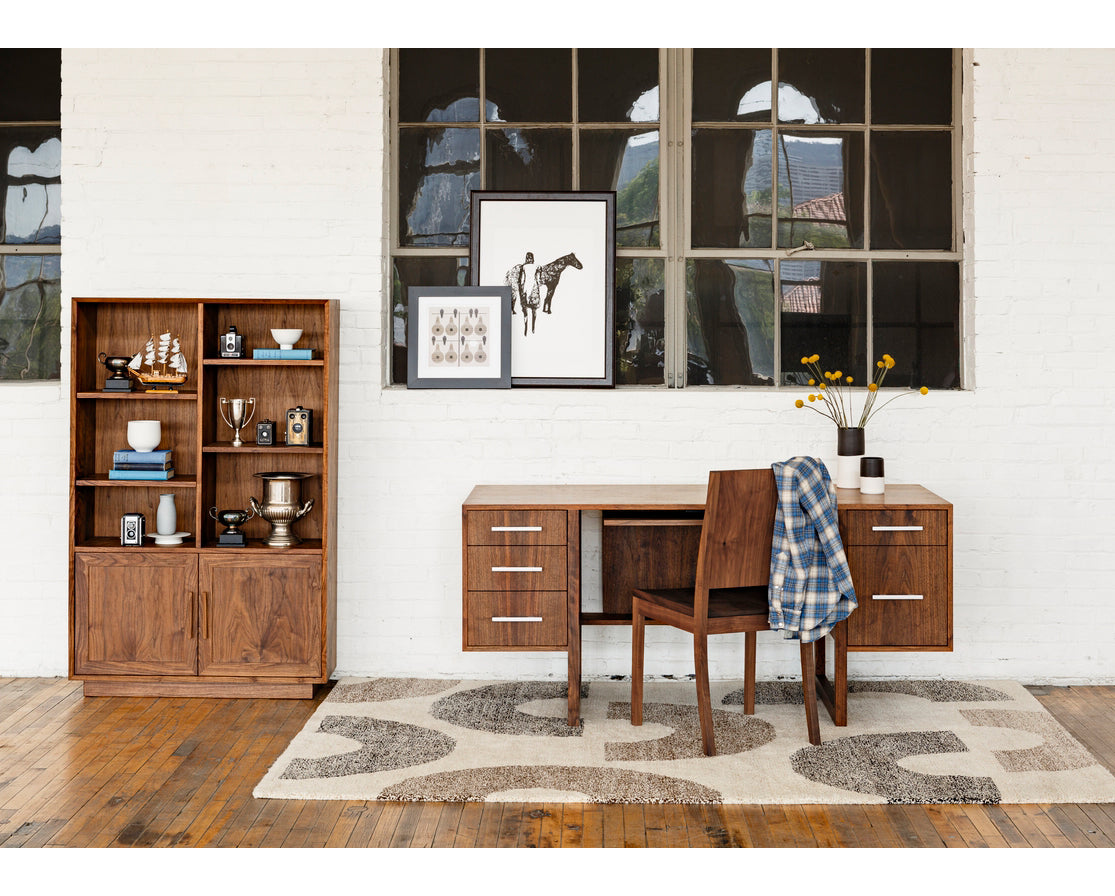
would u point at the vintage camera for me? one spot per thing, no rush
(265, 432)
(133, 526)
(231, 344)
(299, 425)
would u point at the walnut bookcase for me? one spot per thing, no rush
(199, 619)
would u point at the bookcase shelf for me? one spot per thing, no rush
(202, 618)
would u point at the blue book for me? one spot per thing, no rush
(283, 354)
(141, 457)
(141, 474)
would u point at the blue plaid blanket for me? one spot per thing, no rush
(810, 586)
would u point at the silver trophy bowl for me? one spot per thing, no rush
(282, 506)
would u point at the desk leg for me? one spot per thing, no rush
(834, 694)
(573, 614)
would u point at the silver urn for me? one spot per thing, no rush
(282, 506)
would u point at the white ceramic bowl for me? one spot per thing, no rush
(286, 337)
(144, 435)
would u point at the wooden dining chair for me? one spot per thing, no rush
(730, 594)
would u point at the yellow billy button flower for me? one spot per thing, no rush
(924, 390)
(848, 379)
(814, 359)
(799, 403)
(872, 387)
(804, 360)
(811, 398)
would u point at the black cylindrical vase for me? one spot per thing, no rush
(849, 449)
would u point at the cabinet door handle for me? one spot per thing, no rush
(898, 597)
(205, 614)
(898, 528)
(516, 569)
(193, 608)
(516, 528)
(516, 619)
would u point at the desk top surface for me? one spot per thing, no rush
(623, 496)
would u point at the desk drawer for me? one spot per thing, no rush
(903, 596)
(516, 568)
(894, 527)
(507, 527)
(529, 620)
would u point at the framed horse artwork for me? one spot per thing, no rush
(556, 252)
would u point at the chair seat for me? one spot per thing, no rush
(722, 602)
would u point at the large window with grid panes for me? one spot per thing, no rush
(30, 217)
(770, 204)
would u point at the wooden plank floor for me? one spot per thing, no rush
(118, 771)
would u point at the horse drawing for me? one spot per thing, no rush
(546, 277)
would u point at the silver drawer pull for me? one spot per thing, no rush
(516, 528)
(516, 569)
(898, 528)
(898, 597)
(516, 619)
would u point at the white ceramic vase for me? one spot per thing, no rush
(166, 515)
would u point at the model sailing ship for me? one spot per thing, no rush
(160, 364)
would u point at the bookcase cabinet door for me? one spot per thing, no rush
(260, 620)
(135, 614)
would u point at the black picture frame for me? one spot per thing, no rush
(532, 243)
(462, 321)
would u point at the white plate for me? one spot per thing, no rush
(176, 538)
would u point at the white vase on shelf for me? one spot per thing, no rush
(166, 515)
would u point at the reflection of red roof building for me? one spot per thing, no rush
(823, 208)
(804, 298)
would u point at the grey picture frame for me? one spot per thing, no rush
(532, 242)
(444, 319)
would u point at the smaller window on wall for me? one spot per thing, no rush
(30, 216)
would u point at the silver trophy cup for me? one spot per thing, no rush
(282, 506)
(239, 414)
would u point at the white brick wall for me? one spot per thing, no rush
(260, 173)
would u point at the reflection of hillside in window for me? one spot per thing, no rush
(434, 194)
(627, 163)
(33, 190)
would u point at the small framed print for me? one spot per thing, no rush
(458, 337)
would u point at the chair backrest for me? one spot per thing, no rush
(737, 530)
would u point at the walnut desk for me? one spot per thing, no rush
(522, 568)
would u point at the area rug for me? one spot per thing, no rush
(906, 742)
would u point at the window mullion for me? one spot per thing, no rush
(675, 123)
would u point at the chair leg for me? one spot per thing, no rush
(704, 696)
(809, 688)
(750, 645)
(638, 625)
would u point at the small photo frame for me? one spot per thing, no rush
(556, 252)
(457, 337)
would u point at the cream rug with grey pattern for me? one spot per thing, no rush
(906, 742)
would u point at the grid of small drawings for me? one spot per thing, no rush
(458, 336)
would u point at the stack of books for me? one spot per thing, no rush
(129, 464)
